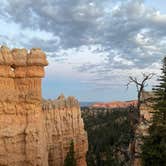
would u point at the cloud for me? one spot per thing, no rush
(130, 35)
(70, 20)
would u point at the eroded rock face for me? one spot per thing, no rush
(143, 125)
(28, 134)
(64, 124)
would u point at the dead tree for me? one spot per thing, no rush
(140, 85)
(134, 121)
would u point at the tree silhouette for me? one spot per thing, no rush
(140, 85)
(135, 113)
(70, 158)
(154, 147)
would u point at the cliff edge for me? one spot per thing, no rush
(35, 132)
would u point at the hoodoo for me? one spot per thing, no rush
(35, 132)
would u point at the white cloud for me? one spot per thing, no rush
(96, 40)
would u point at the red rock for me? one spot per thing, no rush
(115, 104)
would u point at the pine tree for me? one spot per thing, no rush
(154, 147)
(70, 158)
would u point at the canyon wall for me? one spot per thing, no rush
(30, 135)
(143, 125)
(64, 124)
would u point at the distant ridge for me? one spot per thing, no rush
(114, 104)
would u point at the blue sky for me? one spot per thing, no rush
(92, 46)
(157, 4)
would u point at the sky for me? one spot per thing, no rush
(92, 46)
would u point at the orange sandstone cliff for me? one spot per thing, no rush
(63, 123)
(142, 127)
(33, 133)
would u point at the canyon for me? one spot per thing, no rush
(34, 131)
(38, 132)
(139, 124)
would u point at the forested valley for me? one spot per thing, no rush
(109, 135)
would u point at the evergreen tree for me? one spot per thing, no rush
(154, 147)
(70, 158)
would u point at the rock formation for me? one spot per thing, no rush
(32, 133)
(115, 104)
(143, 125)
(63, 124)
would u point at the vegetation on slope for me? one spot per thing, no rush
(109, 135)
(154, 147)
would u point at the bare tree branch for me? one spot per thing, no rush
(140, 85)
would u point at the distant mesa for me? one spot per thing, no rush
(114, 104)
